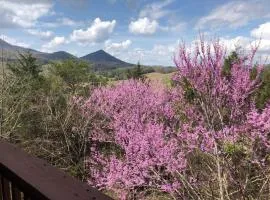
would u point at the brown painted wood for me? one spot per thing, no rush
(39, 180)
(6, 189)
(21, 183)
(16, 193)
(1, 191)
(25, 197)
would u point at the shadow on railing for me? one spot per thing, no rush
(24, 177)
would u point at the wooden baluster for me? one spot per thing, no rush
(26, 197)
(6, 189)
(16, 193)
(1, 190)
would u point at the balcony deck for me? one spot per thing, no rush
(24, 177)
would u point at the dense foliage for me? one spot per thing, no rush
(202, 139)
(37, 111)
(263, 94)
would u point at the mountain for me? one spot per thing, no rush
(102, 61)
(10, 52)
(59, 55)
(6, 46)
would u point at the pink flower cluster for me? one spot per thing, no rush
(142, 125)
(142, 133)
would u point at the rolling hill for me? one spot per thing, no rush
(10, 51)
(100, 60)
(59, 55)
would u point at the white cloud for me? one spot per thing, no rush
(115, 48)
(233, 43)
(235, 14)
(14, 41)
(175, 28)
(156, 10)
(159, 54)
(149, 18)
(245, 44)
(63, 21)
(263, 31)
(164, 50)
(264, 46)
(148, 21)
(143, 26)
(259, 37)
(146, 26)
(53, 44)
(162, 54)
(41, 34)
(22, 13)
(67, 21)
(98, 32)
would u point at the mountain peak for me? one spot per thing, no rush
(101, 59)
(100, 55)
(101, 51)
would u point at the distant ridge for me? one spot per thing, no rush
(100, 60)
(59, 55)
(12, 52)
(6, 46)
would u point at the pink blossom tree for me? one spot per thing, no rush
(224, 106)
(202, 139)
(134, 145)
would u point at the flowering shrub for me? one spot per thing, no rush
(139, 134)
(224, 105)
(201, 139)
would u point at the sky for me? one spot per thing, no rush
(148, 31)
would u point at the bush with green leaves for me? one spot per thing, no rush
(38, 113)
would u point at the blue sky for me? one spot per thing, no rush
(133, 30)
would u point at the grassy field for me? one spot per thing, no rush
(159, 77)
(155, 77)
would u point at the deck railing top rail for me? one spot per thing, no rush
(37, 179)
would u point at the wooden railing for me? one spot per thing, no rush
(24, 177)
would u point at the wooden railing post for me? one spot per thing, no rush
(24, 177)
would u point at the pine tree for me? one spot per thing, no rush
(136, 73)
